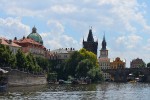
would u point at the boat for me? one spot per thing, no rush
(3, 80)
(133, 81)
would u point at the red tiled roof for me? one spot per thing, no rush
(3, 41)
(27, 40)
(6, 42)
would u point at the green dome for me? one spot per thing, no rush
(35, 36)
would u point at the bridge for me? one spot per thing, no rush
(120, 75)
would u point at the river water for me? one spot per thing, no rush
(103, 91)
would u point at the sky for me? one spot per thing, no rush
(64, 23)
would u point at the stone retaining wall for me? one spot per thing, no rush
(19, 78)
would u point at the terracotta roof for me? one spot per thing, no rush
(3, 41)
(6, 42)
(27, 40)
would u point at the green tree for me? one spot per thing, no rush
(95, 74)
(43, 63)
(84, 67)
(89, 55)
(21, 60)
(7, 58)
(142, 65)
(148, 64)
(82, 63)
(31, 63)
(71, 64)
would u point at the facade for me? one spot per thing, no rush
(60, 55)
(63, 54)
(29, 45)
(12, 45)
(136, 63)
(118, 64)
(90, 44)
(104, 61)
(33, 44)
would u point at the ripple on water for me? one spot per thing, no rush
(105, 91)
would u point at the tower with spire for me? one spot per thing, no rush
(90, 44)
(104, 61)
(104, 51)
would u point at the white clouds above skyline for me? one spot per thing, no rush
(125, 23)
(12, 27)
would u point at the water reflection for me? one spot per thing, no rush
(104, 91)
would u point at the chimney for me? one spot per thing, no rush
(23, 37)
(10, 41)
(15, 38)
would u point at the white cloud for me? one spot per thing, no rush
(13, 27)
(56, 38)
(129, 42)
(55, 26)
(113, 16)
(64, 8)
(116, 14)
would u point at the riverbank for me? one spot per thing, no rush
(20, 78)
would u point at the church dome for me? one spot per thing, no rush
(35, 36)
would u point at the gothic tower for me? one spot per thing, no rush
(104, 51)
(90, 45)
(104, 61)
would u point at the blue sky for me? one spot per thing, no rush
(64, 23)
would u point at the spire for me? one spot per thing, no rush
(104, 43)
(34, 29)
(83, 39)
(90, 36)
(104, 37)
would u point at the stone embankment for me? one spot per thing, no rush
(20, 78)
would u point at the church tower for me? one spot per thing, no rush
(90, 44)
(104, 51)
(104, 61)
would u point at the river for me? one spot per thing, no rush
(103, 91)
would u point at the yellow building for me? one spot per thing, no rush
(118, 64)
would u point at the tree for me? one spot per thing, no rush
(89, 55)
(71, 64)
(95, 74)
(84, 67)
(82, 63)
(148, 64)
(21, 60)
(143, 65)
(7, 58)
(43, 63)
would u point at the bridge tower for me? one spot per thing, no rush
(90, 44)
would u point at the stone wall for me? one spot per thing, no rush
(19, 78)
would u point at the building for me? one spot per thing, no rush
(118, 64)
(12, 45)
(137, 63)
(35, 36)
(63, 53)
(104, 61)
(60, 55)
(32, 44)
(90, 44)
